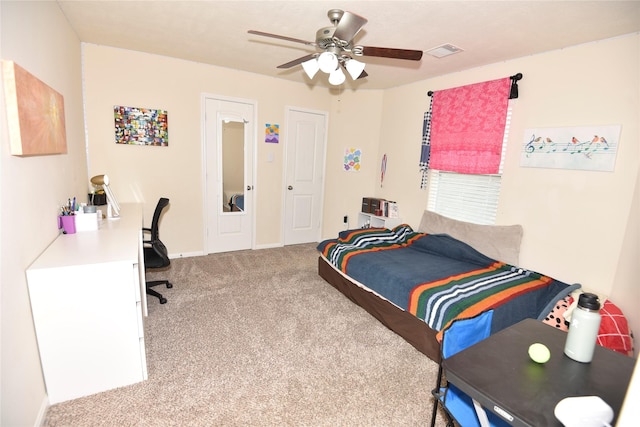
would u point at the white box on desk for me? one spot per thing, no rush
(86, 222)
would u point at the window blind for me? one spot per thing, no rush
(471, 198)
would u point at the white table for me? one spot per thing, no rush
(88, 302)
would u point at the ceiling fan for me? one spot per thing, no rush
(336, 49)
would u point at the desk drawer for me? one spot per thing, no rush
(87, 330)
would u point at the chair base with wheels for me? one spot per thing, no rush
(151, 283)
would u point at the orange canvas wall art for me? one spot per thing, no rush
(35, 113)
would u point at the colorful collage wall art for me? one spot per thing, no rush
(141, 126)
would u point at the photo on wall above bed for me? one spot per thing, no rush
(141, 126)
(582, 148)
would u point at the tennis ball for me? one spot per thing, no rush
(539, 353)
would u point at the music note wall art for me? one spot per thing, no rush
(581, 148)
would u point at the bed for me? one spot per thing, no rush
(417, 282)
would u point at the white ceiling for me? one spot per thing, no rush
(215, 32)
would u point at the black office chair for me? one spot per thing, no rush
(155, 252)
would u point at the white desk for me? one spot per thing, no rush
(88, 302)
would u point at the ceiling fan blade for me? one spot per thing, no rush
(348, 27)
(387, 52)
(298, 61)
(276, 36)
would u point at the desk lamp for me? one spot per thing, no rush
(113, 208)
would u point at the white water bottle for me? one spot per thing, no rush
(583, 329)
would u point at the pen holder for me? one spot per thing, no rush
(67, 223)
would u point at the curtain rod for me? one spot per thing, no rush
(514, 80)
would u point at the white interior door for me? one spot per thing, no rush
(304, 177)
(229, 192)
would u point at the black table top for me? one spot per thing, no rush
(498, 372)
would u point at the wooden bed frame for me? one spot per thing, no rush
(415, 331)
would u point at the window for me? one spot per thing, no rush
(467, 197)
(471, 198)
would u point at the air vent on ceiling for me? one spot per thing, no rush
(444, 50)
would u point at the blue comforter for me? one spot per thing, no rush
(439, 278)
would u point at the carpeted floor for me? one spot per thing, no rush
(257, 338)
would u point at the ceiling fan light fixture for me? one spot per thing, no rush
(355, 68)
(328, 62)
(337, 77)
(311, 67)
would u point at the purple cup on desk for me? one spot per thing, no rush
(67, 223)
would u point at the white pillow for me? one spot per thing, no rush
(500, 242)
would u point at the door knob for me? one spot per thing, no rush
(290, 188)
(249, 187)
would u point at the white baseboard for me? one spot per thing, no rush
(195, 254)
(270, 246)
(42, 412)
(186, 255)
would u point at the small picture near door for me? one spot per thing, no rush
(272, 133)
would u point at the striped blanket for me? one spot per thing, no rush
(440, 279)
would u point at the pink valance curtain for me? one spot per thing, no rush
(467, 127)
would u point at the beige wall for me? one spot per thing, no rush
(625, 289)
(37, 37)
(121, 77)
(354, 122)
(579, 225)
